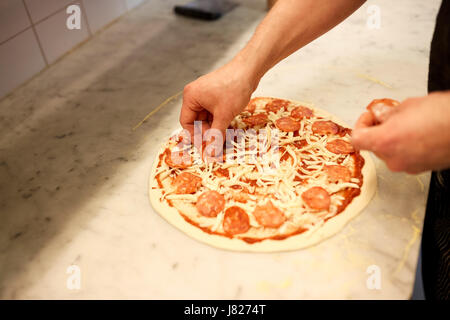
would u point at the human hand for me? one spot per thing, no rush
(414, 138)
(216, 98)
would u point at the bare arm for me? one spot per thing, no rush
(289, 26)
(219, 96)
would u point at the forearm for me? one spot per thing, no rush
(290, 25)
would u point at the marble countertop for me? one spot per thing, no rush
(74, 175)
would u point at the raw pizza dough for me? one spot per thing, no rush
(302, 240)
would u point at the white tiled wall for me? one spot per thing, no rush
(41, 9)
(20, 59)
(98, 16)
(57, 41)
(33, 33)
(13, 18)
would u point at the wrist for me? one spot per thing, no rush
(247, 70)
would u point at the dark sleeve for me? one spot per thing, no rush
(439, 69)
(436, 230)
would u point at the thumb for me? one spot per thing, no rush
(366, 138)
(365, 120)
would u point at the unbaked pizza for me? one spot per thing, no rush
(287, 178)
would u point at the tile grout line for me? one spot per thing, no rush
(15, 35)
(33, 25)
(54, 13)
(43, 19)
(35, 34)
(83, 10)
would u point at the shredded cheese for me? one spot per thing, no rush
(263, 176)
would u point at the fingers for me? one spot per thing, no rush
(365, 120)
(188, 116)
(220, 123)
(367, 138)
(364, 135)
(192, 111)
(200, 127)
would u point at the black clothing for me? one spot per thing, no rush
(436, 231)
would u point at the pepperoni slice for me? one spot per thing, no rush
(256, 120)
(300, 143)
(176, 159)
(222, 172)
(382, 108)
(251, 107)
(317, 198)
(301, 112)
(235, 221)
(344, 131)
(210, 203)
(181, 138)
(287, 124)
(269, 216)
(337, 173)
(275, 105)
(340, 146)
(240, 197)
(324, 127)
(186, 183)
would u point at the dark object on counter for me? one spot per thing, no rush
(205, 9)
